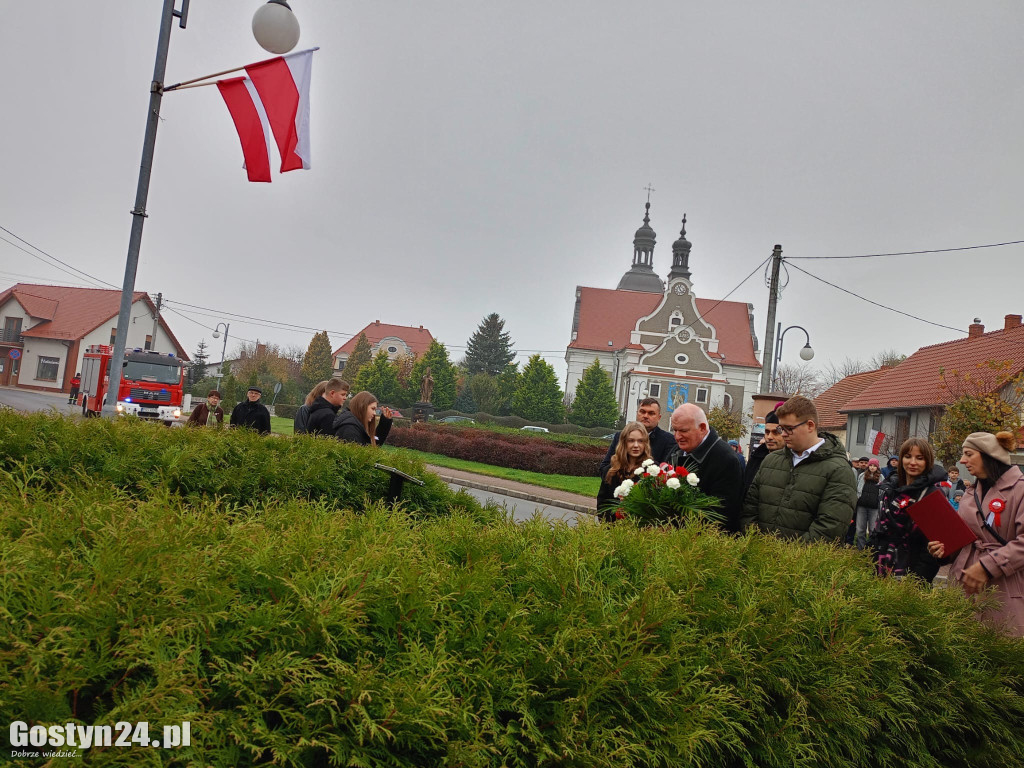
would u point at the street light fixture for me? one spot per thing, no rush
(805, 354)
(224, 349)
(277, 26)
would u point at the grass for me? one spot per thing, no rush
(585, 486)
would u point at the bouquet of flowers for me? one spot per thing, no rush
(664, 494)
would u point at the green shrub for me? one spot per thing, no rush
(286, 410)
(302, 636)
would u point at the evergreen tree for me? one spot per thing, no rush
(318, 362)
(508, 381)
(378, 377)
(595, 404)
(486, 393)
(441, 370)
(197, 368)
(465, 402)
(538, 396)
(360, 356)
(489, 349)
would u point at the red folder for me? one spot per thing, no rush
(938, 521)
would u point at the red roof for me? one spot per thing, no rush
(914, 383)
(839, 394)
(418, 339)
(71, 313)
(611, 315)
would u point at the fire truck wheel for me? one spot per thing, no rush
(85, 407)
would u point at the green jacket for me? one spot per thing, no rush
(813, 501)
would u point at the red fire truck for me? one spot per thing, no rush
(152, 384)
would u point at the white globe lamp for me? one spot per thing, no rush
(806, 353)
(275, 27)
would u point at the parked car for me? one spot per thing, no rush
(530, 428)
(609, 436)
(456, 419)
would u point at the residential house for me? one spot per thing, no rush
(394, 339)
(829, 402)
(657, 339)
(46, 330)
(907, 400)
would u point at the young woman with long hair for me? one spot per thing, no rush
(867, 502)
(302, 413)
(634, 446)
(994, 509)
(363, 421)
(900, 547)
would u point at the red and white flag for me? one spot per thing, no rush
(273, 98)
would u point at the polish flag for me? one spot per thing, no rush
(273, 98)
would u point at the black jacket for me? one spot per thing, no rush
(348, 428)
(320, 420)
(662, 445)
(718, 467)
(753, 463)
(251, 415)
(900, 547)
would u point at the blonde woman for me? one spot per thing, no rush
(634, 446)
(364, 421)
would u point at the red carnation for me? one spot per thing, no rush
(682, 471)
(619, 514)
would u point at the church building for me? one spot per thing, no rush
(656, 339)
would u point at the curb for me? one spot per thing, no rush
(516, 494)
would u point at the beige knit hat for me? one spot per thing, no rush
(996, 446)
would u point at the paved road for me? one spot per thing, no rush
(27, 400)
(523, 510)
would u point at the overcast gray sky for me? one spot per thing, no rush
(477, 157)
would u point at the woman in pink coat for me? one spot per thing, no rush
(994, 510)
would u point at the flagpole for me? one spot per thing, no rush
(189, 83)
(141, 196)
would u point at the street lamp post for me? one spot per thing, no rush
(265, 22)
(805, 354)
(223, 350)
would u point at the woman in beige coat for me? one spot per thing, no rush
(994, 510)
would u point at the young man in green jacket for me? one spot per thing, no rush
(807, 491)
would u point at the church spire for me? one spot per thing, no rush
(640, 276)
(681, 255)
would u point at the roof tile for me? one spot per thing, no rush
(418, 339)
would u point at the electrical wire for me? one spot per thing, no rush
(877, 304)
(911, 253)
(54, 266)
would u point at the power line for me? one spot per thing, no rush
(911, 253)
(53, 258)
(877, 304)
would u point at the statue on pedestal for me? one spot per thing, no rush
(426, 386)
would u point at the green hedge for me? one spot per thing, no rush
(517, 422)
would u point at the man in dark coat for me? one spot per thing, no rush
(252, 413)
(700, 450)
(772, 442)
(662, 442)
(323, 410)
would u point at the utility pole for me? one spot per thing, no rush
(768, 352)
(156, 320)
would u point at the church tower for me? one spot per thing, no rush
(680, 256)
(640, 276)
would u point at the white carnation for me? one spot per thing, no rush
(647, 462)
(653, 470)
(638, 471)
(692, 479)
(673, 483)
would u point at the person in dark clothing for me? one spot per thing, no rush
(208, 414)
(772, 442)
(76, 382)
(324, 408)
(956, 485)
(251, 413)
(363, 422)
(891, 466)
(735, 445)
(867, 503)
(899, 545)
(302, 412)
(634, 448)
(700, 450)
(648, 413)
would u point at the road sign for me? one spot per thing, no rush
(14, 354)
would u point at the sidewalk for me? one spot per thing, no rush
(534, 493)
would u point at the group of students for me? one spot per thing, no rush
(325, 412)
(992, 507)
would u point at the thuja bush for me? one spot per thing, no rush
(237, 467)
(306, 637)
(513, 451)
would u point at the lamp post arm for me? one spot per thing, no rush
(139, 211)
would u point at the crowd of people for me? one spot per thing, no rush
(798, 483)
(327, 411)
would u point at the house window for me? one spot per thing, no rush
(674, 322)
(702, 395)
(727, 402)
(654, 391)
(862, 429)
(876, 422)
(47, 369)
(392, 350)
(113, 336)
(682, 359)
(149, 343)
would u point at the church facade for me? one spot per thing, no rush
(657, 339)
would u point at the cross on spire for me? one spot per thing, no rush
(649, 189)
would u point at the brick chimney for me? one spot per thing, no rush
(1012, 321)
(975, 329)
